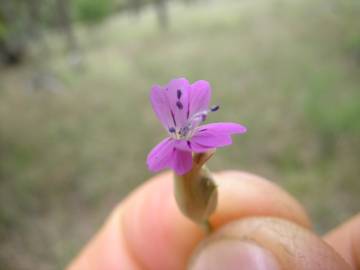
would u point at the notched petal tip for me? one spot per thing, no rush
(178, 83)
(201, 84)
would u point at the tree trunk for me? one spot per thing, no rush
(12, 44)
(162, 11)
(65, 23)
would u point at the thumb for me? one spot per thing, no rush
(265, 243)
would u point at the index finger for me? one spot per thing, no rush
(147, 231)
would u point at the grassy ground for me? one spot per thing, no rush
(289, 70)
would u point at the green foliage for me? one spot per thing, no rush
(353, 45)
(92, 11)
(331, 108)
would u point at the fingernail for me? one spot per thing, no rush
(234, 255)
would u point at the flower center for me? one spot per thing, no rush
(189, 129)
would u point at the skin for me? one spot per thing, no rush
(146, 231)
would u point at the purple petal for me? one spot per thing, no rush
(161, 106)
(182, 162)
(209, 140)
(214, 135)
(191, 146)
(177, 92)
(223, 128)
(200, 95)
(184, 145)
(161, 156)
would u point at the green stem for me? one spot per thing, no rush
(196, 192)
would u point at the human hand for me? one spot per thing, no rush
(258, 226)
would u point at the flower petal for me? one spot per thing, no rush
(207, 140)
(223, 128)
(184, 145)
(182, 161)
(161, 156)
(177, 92)
(199, 98)
(214, 135)
(190, 146)
(161, 106)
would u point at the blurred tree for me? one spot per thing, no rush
(160, 6)
(188, 2)
(162, 11)
(91, 11)
(135, 6)
(12, 45)
(24, 21)
(66, 23)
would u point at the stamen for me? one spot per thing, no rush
(179, 93)
(179, 105)
(189, 144)
(187, 131)
(172, 130)
(184, 131)
(173, 117)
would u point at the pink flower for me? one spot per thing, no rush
(182, 108)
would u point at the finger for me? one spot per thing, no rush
(107, 250)
(266, 243)
(155, 235)
(243, 194)
(345, 239)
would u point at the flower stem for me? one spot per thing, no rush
(196, 192)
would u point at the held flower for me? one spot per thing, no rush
(182, 108)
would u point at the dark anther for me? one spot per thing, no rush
(172, 130)
(215, 108)
(189, 144)
(178, 93)
(179, 105)
(203, 117)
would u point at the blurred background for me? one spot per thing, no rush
(76, 123)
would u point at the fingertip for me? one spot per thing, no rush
(244, 194)
(274, 244)
(232, 254)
